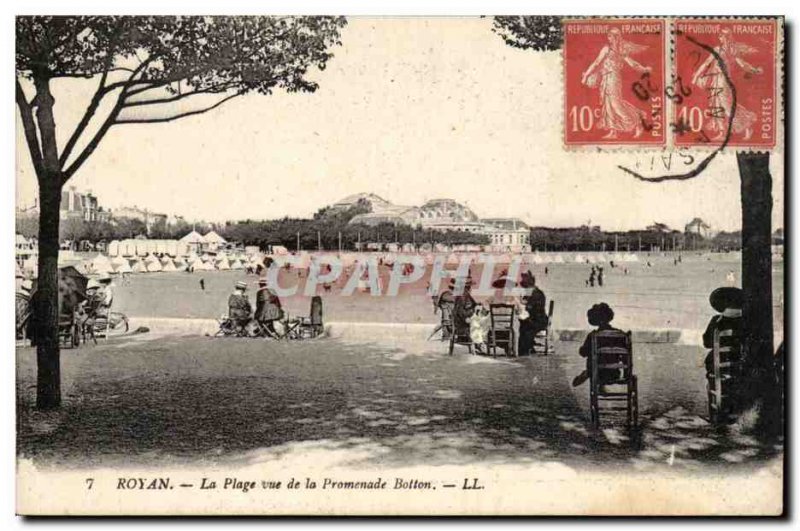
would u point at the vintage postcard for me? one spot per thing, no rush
(320, 265)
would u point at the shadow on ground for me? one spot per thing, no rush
(239, 401)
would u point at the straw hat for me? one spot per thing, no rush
(726, 297)
(600, 314)
(241, 285)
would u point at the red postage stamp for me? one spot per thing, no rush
(725, 82)
(614, 73)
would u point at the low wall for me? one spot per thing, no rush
(372, 331)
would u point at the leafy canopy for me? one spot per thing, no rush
(207, 53)
(540, 33)
(145, 64)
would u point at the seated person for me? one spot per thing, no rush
(463, 308)
(479, 327)
(239, 308)
(105, 295)
(728, 302)
(599, 315)
(268, 307)
(445, 303)
(535, 320)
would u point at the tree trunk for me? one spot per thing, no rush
(45, 314)
(760, 387)
(46, 304)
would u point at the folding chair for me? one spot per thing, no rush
(311, 326)
(612, 357)
(501, 333)
(543, 342)
(727, 367)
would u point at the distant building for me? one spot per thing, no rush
(507, 233)
(79, 205)
(150, 219)
(443, 214)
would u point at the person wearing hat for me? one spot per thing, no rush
(727, 301)
(599, 315)
(104, 295)
(445, 303)
(268, 306)
(239, 308)
(463, 308)
(534, 303)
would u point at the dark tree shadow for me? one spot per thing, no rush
(184, 400)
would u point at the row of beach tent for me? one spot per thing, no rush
(102, 264)
(224, 261)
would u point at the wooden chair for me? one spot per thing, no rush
(727, 366)
(312, 326)
(612, 350)
(501, 333)
(543, 342)
(69, 333)
(459, 335)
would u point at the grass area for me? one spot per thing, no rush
(143, 400)
(662, 296)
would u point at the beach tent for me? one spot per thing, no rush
(213, 238)
(122, 266)
(192, 237)
(237, 265)
(113, 248)
(171, 247)
(137, 266)
(127, 248)
(100, 264)
(168, 266)
(153, 267)
(119, 261)
(223, 265)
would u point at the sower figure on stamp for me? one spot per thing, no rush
(616, 113)
(710, 76)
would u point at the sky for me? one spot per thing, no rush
(411, 109)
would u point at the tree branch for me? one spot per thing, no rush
(29, 126)
(87, 117)
(210, 90)
(98, 96)
(180, 115)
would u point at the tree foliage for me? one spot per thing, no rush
(540, 33)
(146, 65)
